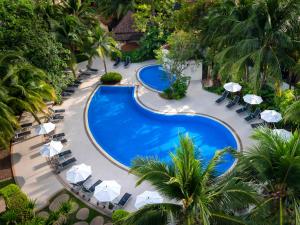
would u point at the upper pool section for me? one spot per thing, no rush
(155, 77)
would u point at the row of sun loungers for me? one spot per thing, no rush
(235, 101)
(118, 61)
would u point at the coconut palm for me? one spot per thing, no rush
(292, 113)
(198, 196)
(104, 44)
(273, 165)
(116, 8)
(254, 40)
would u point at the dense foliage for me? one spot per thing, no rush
(111, 78)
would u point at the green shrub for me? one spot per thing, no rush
(177, 90)
(111, 78)
(17, 203)
(119, 214)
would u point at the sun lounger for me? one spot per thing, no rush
(57, 110)
(243, 109)
(58, 137)
(78, 82)
(127, 61)
(255, 125)
(117, 62)
(69, 90)
(21, 136)
(61, 166)
(91, 189)
(253, 115)
(73, 85)
(123, 200)
(91, 69)
(66, 94)
(222, 98)
(78, 186)
(233, 102)
(26, 125)
(64, 153)
(85, 73)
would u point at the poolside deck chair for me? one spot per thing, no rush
(233, 102)
(91, 69)
(127, 61)
(73, 85)
(26, 125)
(70, 90)
(253, 115)
(78, 186)
(57, 110)
(78, 81)
(64, 153)
(66, 94)
(21, 136)
(91, 189)
(255, 125)
(223, 97)
(56, 117)
(57, 137)
(123, 200)
(243, 109)
(85, 73)
(61, 166)
(117, 62)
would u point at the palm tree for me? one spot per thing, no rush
(254, 40)
(273, 165)
(105, 45)
(116, 8)
(292, 113)
(198, 196)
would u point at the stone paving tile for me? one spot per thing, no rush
(56, 203)
(82, 214)
(98, 220)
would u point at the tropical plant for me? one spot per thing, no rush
(104, 44)
(273, 165)
(198, 196)
(292, 114)
(116, 8)
(111, 78)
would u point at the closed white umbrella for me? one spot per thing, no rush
(78, 173)
(148, 197)
(45, 128)
(270, 116)
(232, 87)
(51, 149)
(284, 134)
(252, 99)
(107, 191)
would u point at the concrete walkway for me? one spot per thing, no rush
(34, 175)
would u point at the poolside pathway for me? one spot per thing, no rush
(34, 175)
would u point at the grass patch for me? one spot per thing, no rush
(72, 217)
(6, 182)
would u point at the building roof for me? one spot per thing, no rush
(125, 30)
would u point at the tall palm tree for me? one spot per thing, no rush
(198, 196)
(116, 8)
(254, 39)
(105, 45)
(292, 113)
(273, 164)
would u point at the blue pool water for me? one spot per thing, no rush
(125, 130)
(155, 77)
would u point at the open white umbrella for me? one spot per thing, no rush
(252, 99)
(45, 128)
(284, 134)
(148, 197)
(78, 173)
(51, 149)
(270, 116)
(107, 191)
(232, 87)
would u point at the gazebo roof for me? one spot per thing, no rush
(125, 30)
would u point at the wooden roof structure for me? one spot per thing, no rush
(125, 30)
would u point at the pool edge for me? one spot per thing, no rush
(141, 104)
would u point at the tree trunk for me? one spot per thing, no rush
(104, 63)
(290, 79)
(36, 118)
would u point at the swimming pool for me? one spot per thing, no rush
(154, 77)
(124, 129)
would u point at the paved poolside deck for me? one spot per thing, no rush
(34, 175)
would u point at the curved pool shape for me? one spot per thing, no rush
(125, 129)
(154, 77)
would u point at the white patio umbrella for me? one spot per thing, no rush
(107, 191)
(78, 173)
(148, 197)
(252, 99)
(51, 149)
(270, 116)
(45, 128)
(232, 87)
(284, 134)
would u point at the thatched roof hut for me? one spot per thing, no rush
(125, 30)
